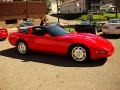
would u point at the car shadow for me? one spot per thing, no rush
(51, 59)
(110, 36)
(1, 40)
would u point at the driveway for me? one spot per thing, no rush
(62, 21)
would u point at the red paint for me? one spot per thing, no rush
(3, 33)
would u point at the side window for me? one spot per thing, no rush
(38, 31)
(24, 30)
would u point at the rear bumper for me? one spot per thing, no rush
(107, 31)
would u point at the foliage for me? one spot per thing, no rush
(99, 17)
(96, 17)
(83, 17)
(70, 29)
(111, 15)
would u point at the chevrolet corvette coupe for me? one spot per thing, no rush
(54, 39)
(3, 33)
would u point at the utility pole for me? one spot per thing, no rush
(116, 9)
(58, 11)
(86, 4)
(26, 8)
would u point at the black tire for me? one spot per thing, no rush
(104, 34)
(3, 39)
(79, 53)
(22, 47)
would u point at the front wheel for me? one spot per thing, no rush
(22, 47)
(79, 53)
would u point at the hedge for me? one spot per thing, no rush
(95, 18)
(100, 17)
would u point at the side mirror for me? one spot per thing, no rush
(47, 35)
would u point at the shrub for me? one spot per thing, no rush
(83, 17)
(99, 18)
(109, 15)
(95, 18)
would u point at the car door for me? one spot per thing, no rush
(41, 40)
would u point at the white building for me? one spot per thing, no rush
(107, 8)
(73, 7)
(53, 7)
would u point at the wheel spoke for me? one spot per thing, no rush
(79, 53)
(22, 48)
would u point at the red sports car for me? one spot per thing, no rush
(54, 39)
(3, 33)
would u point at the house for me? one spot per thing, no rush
(19, 9)
(73, 7)
(53, 7)
(108, 8)
(80, 6)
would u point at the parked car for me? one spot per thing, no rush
(87, 27)
(54, 39)
(54, 23)
(88, 22)
(26, 23)
(112, 27)
(3, 33)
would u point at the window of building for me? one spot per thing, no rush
(75, 9)
(80, 8)
(35, 0)
(18, 0)
(68, 11)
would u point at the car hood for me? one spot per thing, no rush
(91, 40)
(82, 35)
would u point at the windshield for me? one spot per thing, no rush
(57, 31)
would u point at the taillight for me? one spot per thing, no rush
(4, 30)
(117, 27)
(105, 27)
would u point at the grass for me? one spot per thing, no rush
(70, 29)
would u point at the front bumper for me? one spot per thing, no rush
(97, 54)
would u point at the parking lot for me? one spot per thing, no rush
(40, 71)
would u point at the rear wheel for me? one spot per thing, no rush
(22, 47)
(2, 39)
(79, 53)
